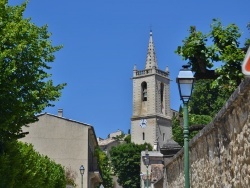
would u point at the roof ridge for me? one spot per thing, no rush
(46, 113)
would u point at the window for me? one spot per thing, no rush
(163, 136)
(162, 94)
(144, 91)
(143, 136)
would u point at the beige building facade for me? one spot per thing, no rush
(67, 142)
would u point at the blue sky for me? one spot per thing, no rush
(103, 39)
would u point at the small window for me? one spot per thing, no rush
(162, 92)
(162, 95)
(144, 91)
(143, 136)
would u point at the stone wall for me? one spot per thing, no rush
(220, 153)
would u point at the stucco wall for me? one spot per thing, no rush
(220, 153)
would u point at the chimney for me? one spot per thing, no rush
(60, 112)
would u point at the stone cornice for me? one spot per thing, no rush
(151, 116)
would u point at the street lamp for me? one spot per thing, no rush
(185, 82)
(82, 169)
(146, 159)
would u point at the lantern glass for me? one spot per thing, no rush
(185, 87)
(82, 169)
(147, 159)
(185, 82)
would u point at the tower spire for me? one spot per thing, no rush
(151, 60)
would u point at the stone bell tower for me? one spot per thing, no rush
(151, 119)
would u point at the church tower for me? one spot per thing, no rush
(151, 119)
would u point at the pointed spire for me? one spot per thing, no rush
(151, 60)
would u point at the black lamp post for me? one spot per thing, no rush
(82, 169)
(185, 82)
(146, 159)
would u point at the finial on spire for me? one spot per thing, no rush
(150, 30)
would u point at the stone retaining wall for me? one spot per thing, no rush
(220, 153)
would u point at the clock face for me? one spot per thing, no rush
(143, 123)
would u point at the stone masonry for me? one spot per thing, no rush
(220, 153)
(151, 102)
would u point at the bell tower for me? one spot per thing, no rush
(151, 119)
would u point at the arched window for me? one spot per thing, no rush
(143, 136)
(162, 92)
(144, 91)
(162, 95)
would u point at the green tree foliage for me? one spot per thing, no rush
(21, 166)
(25, 86)
(127, 139)
(217, 56)
(105, 168)
(70, 176)
(125, 160)
(227, 50)
(123, 137)
(206, 100)
(194, 121)
(119, 137)
(220, 44)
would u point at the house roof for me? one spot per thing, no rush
(170, 144)
(71, 120)
(106, 141)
